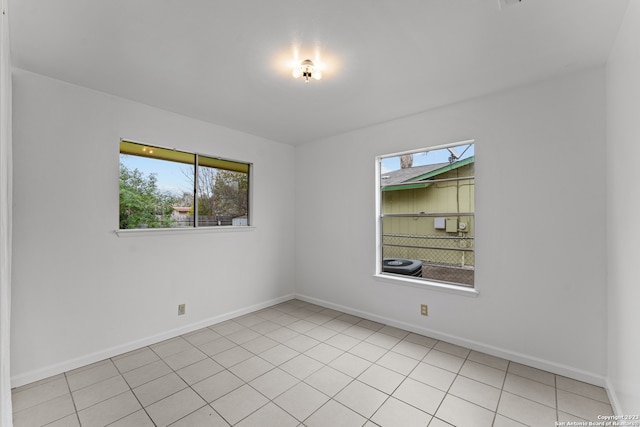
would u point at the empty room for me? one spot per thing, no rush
(319, 213)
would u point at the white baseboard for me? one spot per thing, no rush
(524, 359)
(613, 398)
(48, 371)
(535, 362)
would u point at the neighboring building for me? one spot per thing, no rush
(181, 212)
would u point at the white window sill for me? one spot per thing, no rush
(424, 284)
(179, 231)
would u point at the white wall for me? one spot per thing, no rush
(540, 215)
(623, 203)
(6, 186)
(80, 293)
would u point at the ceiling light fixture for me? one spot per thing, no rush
(307, 70)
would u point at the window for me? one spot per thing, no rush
(167, 188)
(426, 214)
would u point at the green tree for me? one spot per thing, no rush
(221, 192)
(142, 204)
(230, 193)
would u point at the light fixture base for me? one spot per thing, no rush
(307, 70)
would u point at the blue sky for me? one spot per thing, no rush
(427, 158)
(170, 174)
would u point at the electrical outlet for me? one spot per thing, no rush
(424, 309)
(181, 309)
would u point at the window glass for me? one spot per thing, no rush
(223, 196)
(157, 189)
(427, 214)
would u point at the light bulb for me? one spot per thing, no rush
(317, 74)
(297, 72)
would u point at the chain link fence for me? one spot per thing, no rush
(445, 258)
(184, 221)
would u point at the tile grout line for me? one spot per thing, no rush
(555, 392)
(27, 387)
(330, 398)
(454, 379)
(75, 408)
(401, 382)
(299, 381)
(131, 389)
(207, 403)
(301, 312)
(188, 386)
(269, 400)
(504, 380)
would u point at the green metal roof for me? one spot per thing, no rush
(430, 174)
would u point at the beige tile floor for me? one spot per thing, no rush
(299, 364)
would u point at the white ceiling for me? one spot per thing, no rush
(228, 61)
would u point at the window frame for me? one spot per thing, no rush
(390, 278)
(196, 164)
